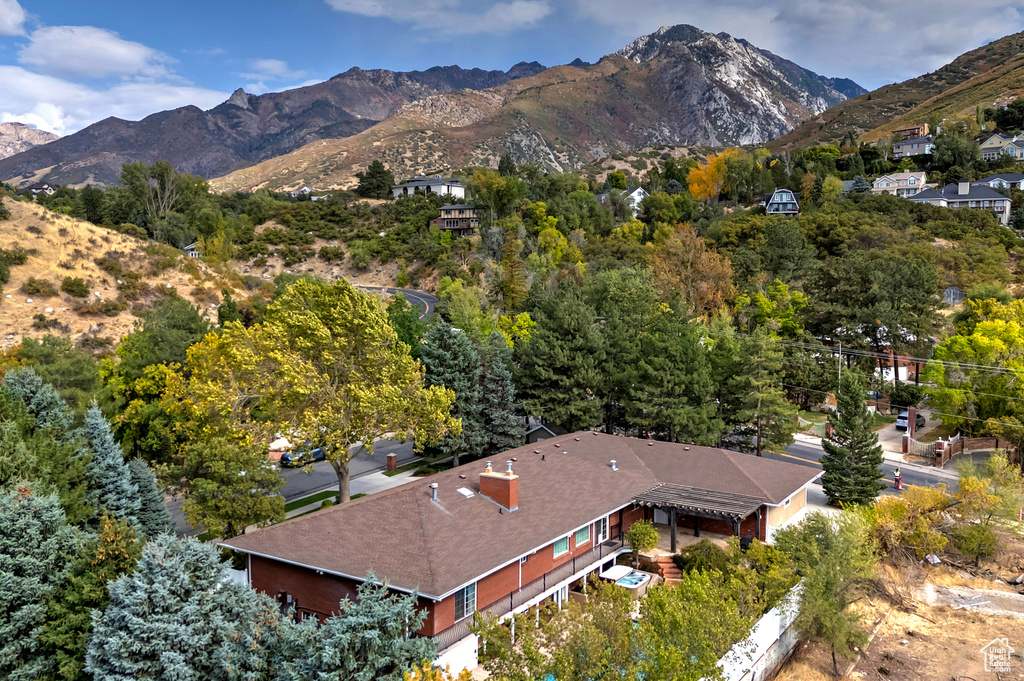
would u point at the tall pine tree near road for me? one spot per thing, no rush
(153, 516)
(36, 551)
(501, 411)
(450, 360)
(110, 480)
(852, 453)
(178, 617)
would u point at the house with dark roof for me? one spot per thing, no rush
(430, 185)
(37, 189)
(781, 202)
(913, 147)
(459, 220)
(966, 195)
(503, 539)
(1002, 181)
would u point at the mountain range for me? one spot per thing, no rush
(679, 85)
(244, 129)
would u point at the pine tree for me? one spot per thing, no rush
(110, 479)
(178, 617)
(111, 554)
(507, 166)
(370, 639)
(852, 454)
(41, 399)
(501, 411)
(228, 310)
(560, 368)
(861, 184)
(376, 182)
(153, 516)
(36, 551)
(450, 360)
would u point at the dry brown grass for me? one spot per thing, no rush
(59, 246)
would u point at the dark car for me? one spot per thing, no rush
(302, 458)
(901, 420)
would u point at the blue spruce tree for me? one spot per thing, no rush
(449, 359)
(153, 516)
(178, 617)
(501, 412)
(41, 399)
(110, 479)
(37, 549)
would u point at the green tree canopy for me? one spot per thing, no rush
(376, 182)
(852, 454)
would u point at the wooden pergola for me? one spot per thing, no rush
(701, 503)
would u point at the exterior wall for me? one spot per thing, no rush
(778, 516)
(768, 646)
(310, 591)
(462, 655)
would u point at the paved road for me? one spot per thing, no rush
(807, 453)
(422, 301)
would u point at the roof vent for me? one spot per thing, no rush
(576, 438)
(564, 452)
(686, 449)
(466, 492)
(433, 490)
(595, 433)
(650, 443)
(543, 457)
(536, 451)
(557, 445)
(614, 467)
(462, 477)
(515, 458)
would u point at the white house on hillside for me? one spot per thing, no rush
(430, 185)
(901, 184)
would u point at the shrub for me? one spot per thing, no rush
(332, 253)
(4, 213)
(641, 536)
(704, 556)
(41, 288)
(74, 286)
(976, 541)
(41, 322)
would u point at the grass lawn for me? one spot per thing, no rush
(306, 501)
(879, 421)
(403, 468)
(942, 430)
(813, 416)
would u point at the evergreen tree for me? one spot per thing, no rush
(178, 617)
(852, 453)
(371, 639)
(36, 547)
(671, 381)
(41, 399)
(407, 324)
(501, 411)
(111, 554)
(450, 360)
(228, 310)
(861, 184)
(376, 182)
(110, 479)
(560, 368)
(507, 166)
(153, 516)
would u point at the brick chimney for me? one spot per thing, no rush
(501, 488)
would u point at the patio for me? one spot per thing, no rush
(684, 538)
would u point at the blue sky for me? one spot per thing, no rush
(65, 64)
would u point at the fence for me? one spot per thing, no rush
(811, 427)
(941, 451)
(768, 645)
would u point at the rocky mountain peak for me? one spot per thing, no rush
(239, 98)
(18, 137)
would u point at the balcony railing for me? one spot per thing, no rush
(507, 604)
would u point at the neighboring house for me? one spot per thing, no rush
(998, 144)
(912, 132)
(460, 220)
(37, 189)
(914, 146)
(537, 431)
(901, 184)
(192, 250)
(501, 541)
(300, 192)
(966, 195)
(430, 185)
(632, 196)
(322, 197)
(1002, 181)
(848, 185)
(781, 202)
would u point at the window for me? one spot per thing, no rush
(602, 530)
(583, 535)
(465, 602)
(786, 503)
(912, 181)
(561, 546)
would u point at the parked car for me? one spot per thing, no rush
(294, 459)
(901, 420)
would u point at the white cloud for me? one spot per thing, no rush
(872, 41)
(448, 18)
(271, 69)
(90, 52)
(12, 18)
(63, 106)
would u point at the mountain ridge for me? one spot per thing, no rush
(18, 137)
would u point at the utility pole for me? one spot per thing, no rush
(840, 368)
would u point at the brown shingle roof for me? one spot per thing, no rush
(404, 537)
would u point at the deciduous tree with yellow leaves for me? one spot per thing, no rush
(707, 180)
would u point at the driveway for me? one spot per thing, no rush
(892, 439)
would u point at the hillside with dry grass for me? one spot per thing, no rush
(110, 278)
(986, 77)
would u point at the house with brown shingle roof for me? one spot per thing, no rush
(502, 539)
